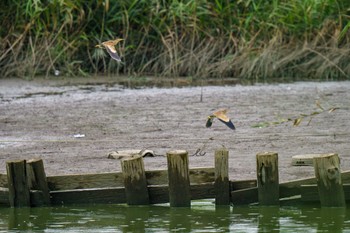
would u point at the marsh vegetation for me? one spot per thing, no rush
(254, 39)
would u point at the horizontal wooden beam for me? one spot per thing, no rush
(37, 198)
(85, 196)
(3, 180)
(309, 193)
(244, 196)
(242, 184)
(116, 179)
(292, 188)
(157, 194)
(4, 196)
(287, 189)
(85, 181)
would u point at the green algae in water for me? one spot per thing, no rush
(203, 216)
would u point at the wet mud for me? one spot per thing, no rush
(40, 119)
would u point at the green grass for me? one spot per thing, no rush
(254, 39)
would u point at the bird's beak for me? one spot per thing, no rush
(98, 46)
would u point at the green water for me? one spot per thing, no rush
(201, 217)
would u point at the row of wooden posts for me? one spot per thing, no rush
(26, 183)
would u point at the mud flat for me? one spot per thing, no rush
(74, 127)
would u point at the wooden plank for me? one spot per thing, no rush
(116, 179)
(222, 183)
(292, 188)
(202, 175)
(306, 187)
(157, 177)
(4, 196)
(309, 193)
(202, 191)
(17, 180)
(158, 194)
(37, 198)
(267, 176)
(242, 184)
(36, 179)
(329, 182)
(88, 196)
(3, 180)
(85, 181)
(245, 196)
(135, 181)
(197, 176)
(179, 180)
(287, 189)
(345, 176)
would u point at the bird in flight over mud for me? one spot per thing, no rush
(110, 47)
(221, 115)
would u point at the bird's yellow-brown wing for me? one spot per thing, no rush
(112, 42)
(112, 52)
(110, 47)
(221, 115)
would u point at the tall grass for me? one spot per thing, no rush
(251, 39)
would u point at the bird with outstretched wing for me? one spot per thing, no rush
(110, 47)
(221, 115)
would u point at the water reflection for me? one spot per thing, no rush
(201, 217)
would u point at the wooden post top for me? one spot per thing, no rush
(266, 153)
(15, 161)
(176, 152)
(132, 157)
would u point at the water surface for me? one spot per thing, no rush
(201, 217)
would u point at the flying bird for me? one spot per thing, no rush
(221, 115)
(110, 47)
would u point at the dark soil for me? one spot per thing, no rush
(40, 118)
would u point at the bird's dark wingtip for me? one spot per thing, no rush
(115, 57)
(229, 124)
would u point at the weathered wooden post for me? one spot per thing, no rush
(267, 176)
(135, 181)
(37, 183)
(222, 183)
(328, 176)
(17, 183)
(179, 180)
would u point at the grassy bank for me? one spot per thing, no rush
(253, 39)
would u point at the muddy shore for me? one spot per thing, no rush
(42, 118)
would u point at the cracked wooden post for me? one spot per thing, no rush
(37, 183)
(179, 180)
(135, 182)
(329, 183)
(267, 177)
(17, 183)
(222, 183)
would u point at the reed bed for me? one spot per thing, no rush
(254, 39)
